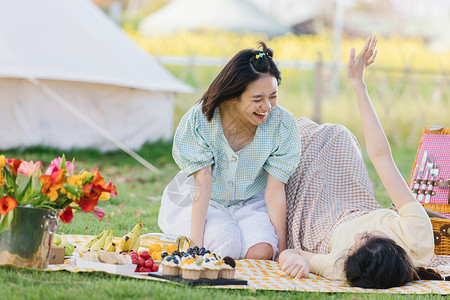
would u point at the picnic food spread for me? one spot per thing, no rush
(197, 263)
(143, 261)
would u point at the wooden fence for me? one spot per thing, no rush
(406, 100)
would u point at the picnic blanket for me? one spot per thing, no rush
(267, 275)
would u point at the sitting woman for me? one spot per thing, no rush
(236, 149)
(335, 226)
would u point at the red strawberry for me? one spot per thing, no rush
(154, 268)
(141, 269)
(148, 263)
(134, 261)
(134, 254)
(141, 262)
(145, 255)
(148, 269)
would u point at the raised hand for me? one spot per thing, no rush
(356, 65)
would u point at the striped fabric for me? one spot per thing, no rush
(237, 176)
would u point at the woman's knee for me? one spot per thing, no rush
(223, 240)
(260, 251)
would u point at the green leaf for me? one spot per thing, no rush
(10, 180)
(63, 163)
(26, 192)
(5, 221)
(47, 206)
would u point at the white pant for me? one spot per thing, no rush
(229, 231)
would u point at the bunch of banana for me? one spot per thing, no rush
(131, 241)
(104, 241)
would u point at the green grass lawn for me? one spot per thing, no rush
(139, 194)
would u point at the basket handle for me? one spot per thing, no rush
(444, 183)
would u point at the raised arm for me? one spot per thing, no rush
(377, 144)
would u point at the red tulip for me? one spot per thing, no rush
(67, 215)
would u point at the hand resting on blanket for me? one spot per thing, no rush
(294, 264)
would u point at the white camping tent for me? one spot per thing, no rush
(65, 68)
(229, 15)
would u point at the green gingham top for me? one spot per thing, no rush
(237, 176)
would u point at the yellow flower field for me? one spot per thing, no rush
(408, 83)
(394, 52)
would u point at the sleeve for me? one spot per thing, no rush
(416, 231)
(326, 266)
(282, 162)
(190, 150)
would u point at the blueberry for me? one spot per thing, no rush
(207, 259)
(207, 251)
(168, 258)
(176, 252)
(164, 254)
(189, 250)
(195, 248)
(181, 254)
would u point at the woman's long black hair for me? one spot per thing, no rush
(381, 263)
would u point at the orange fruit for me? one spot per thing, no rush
(171, 248)
(154, 248)
(156, 255)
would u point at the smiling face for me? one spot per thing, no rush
(254, 105)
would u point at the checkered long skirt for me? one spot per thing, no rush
(330, 186)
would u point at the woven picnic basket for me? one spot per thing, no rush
(441, 231)
(435, 142)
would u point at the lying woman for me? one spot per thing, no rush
(335, 226)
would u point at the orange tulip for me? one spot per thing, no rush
(52, 183)
(14, 165)
(7, 204)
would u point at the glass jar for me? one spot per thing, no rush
(163, 239)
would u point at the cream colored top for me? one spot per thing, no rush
(411, 228)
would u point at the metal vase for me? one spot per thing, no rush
(28, 240)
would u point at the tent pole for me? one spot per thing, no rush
(94, 125)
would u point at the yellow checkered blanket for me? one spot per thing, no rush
(267, 275)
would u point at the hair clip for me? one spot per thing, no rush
(260, 55)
